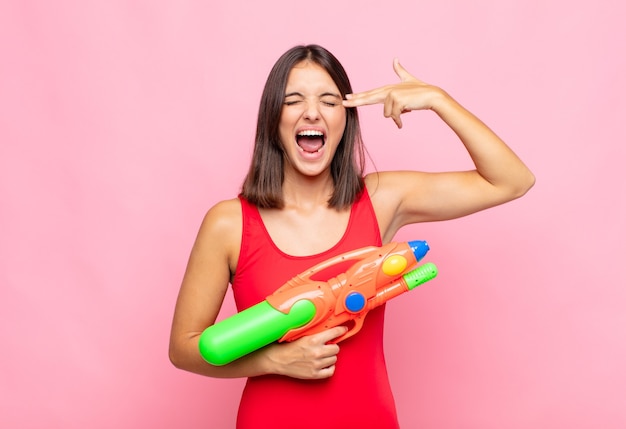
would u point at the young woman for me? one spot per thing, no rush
(304, 200)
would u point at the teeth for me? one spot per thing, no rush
(310, 133)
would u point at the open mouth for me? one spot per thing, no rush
(310, 141)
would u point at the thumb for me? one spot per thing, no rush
(402, 73)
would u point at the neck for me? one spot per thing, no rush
(305, 191)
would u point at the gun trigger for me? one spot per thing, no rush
(353, 328)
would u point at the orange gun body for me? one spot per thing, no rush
(374, 278)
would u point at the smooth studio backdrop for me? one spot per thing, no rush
(122, 122)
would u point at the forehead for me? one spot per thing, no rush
(308, 77)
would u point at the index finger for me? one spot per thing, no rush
(331, 334)
(374, 96)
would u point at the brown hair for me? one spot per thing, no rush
(263, 183)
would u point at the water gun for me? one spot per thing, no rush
(305, 306)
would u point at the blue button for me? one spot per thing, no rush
(355, 301)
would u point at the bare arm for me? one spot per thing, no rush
(408, 197)
(213, 259)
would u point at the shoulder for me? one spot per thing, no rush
(392, 182)
(221, 229)
(389, 188)
(224, 213)
(222, 218)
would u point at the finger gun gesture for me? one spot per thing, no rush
(407, 95)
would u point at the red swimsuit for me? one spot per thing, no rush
(358, 395)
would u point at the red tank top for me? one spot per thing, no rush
(358, 395)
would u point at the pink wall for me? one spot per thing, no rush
(122, 122)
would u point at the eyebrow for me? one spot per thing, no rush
(325, 94)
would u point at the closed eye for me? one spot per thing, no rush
(330, 99)
(329, 103)
(327, 99)
(293, 98)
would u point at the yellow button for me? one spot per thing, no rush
(394, 265)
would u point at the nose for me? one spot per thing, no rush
(311, 111)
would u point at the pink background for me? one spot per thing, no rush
(121, 122)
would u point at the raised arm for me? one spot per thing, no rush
(405, 197)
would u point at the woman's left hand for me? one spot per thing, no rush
(410, 94)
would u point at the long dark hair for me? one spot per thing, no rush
(264, 181)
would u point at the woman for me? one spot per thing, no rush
(304, 200)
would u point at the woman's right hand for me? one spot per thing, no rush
(308, 358)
